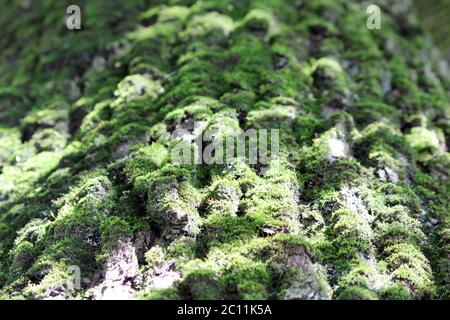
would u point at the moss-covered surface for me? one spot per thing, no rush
(355, 205)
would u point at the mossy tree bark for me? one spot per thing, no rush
(354, 206)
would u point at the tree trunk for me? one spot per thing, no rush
(111, 168)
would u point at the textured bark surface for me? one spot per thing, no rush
(354, 206)
(435, 17)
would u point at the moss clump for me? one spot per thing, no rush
(357, 293)
(396, 292)
(42, 119)
(136, 86)
(112, 230)
(410, 268)
(23, 257)
(260, 22)
(424, 142)
(350, 239)
(210, 26)
(224, 199)
(352, 206)
(172, 203)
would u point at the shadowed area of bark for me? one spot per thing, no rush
(354, 205)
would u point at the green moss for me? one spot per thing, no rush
(246, 279)
(332, 84)
(395, 292)
(146, 160)
(242, 100)
(367, 112)
(201, 284)
(383, 147)
(136, 86)
(307, 128)
(54, 284)
(161, 14)
(112, 230)
(411, 268)
(229, 275)
(354, 206)
(350, 238)
(356, 293)
(161, 294)
(273, 117)
(48, 140)
(224, 198)
(212, 25)
(259, 21)
(197, 111)
(218, 230)
(424, 142)
(11, 96)
(173, 202)
(23, 257)
(275, 207)
(155, 256)
(47, 118)
(405, 92)
(26, 173)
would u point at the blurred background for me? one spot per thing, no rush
(435, 14)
